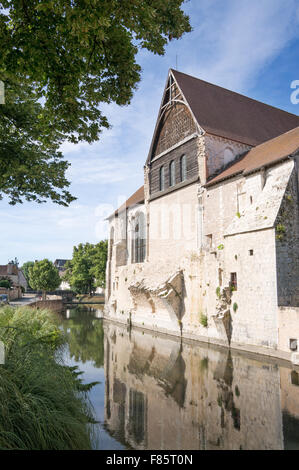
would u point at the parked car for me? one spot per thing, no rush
(4, 299)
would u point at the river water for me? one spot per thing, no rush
(156, 393)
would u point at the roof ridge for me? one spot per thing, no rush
(234, 92)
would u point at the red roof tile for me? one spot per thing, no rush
(136, 198)
(4, 271)
(263, 155)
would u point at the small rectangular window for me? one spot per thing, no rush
(250, 252)
(293, 344)
(209, 239)
(233, 281)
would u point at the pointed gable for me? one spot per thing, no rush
(175, 120)
(228, 114)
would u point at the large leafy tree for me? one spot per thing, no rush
(31, 165)
(86, 270)
(25, 269)
(44, 276)
(71, 56)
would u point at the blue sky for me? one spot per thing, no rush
(251, 47)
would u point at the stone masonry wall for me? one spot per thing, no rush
(287, 246)
(221, 151)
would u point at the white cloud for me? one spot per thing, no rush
(236, 40)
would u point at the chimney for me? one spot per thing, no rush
(9, 268)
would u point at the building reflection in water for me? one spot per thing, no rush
(164, 395)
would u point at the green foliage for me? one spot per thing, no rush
(31, 165)
(280, 228)
(238, 215)
(87, 268)
(85, 336)
(81, 54)
(5, 283)
(280, 231)
(43, 404)
(220, 247)
(218, 292)
(43, 275)
(204, 364)
(25, 270)
(60, 61)
(203, 319)
(235, 307)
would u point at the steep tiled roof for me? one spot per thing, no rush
(263, 155)
(228, 114)
(136, 198)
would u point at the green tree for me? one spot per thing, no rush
(31, 166)
(44, 276)
(79, 269)
(99, 263)
(59, 62)
(25, 270)
(6, 282)
(85, 337)
(81, 54)
(86, 270)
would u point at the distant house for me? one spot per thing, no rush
(14, 273)
(60, 265)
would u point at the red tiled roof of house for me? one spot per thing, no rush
(4, 270)
(228, 114)
(136, 198)
(261, 156)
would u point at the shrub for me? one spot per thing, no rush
(203, 320)
(5, 283)
(43, 403)
(235, 307)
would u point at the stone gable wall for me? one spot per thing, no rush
(221, 151)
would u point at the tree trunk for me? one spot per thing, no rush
(44, 295)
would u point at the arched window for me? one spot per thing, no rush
(183, 168)
(139, 239)
(172, 173)
(161, 179)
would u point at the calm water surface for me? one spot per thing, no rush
(155, 393)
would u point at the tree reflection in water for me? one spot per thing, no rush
(85, 336)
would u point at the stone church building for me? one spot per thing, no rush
(208, 248)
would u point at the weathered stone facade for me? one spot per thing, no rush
(220, 259)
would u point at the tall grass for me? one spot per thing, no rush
(43, 403)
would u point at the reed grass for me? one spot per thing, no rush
(43, 403)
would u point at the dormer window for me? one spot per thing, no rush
(161, 179)
(172, 173)
(183, 168)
